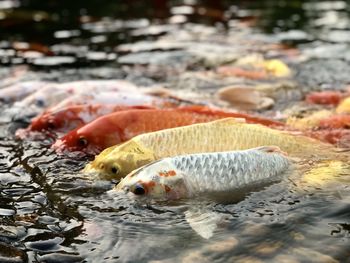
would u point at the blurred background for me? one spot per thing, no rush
(85, 33)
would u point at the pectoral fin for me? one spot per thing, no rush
(204, 222)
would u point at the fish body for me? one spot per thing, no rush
(111, 97)
(75, 116)
(337, 121)
(121, 126)
(222, 135)
(205, 173)
(325, 97)
(20, 90)
(256, 67)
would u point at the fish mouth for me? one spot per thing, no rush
(121, 188)
(95, 173)
(58, 146)
(88, 168)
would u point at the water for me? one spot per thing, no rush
(52, 213)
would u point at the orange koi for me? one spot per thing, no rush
(118, 127)
(325, 97)
(335, 122)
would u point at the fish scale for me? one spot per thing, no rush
(218, 171)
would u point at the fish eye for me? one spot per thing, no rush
(40, 103)
(82, 141)
(51, 125)
(139, 190)
(114, 170)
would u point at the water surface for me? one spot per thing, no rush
(51, 213)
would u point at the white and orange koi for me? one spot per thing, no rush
(204, 173)
(54, 93)
(20, 90)
(112, 97)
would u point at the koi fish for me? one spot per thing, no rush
(115, 98)
(344, 106)
(118, 127)
(204, 173)
(259, 68)
(207, 174)
(221, 135)
(20, 90)
(72, 117)
(54, 93)
(335, 122)
(325, 97)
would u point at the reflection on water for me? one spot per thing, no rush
(51, 213)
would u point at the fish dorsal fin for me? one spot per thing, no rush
(228, 121)
(199, 109)
(271, 149)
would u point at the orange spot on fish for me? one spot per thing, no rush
(167, 188)
(149, 184)
(167, 173)
(172, 173)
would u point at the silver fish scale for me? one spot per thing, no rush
(223, 171)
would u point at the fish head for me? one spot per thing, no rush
(46, 121)
(120, 164)
(159, 180)
(89, 139)
(117, 161)
(65, 119)
(45, 97)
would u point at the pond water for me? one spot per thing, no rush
(52, 213)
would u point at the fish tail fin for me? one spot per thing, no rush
(325, 172)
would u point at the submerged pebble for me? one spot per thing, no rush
(61, 258)
(45, 245)
(6, 212)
